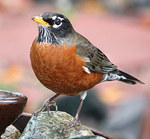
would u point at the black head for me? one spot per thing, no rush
(53, 25)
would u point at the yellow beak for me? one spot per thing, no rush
(40, 20)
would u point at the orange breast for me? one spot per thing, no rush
(60, 69)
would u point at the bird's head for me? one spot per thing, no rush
(53, 27)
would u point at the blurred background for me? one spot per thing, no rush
(120, 28)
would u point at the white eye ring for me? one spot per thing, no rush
(57, 18)
(56, 26)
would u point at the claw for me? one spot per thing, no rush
(47, 105)
(52, 103)
(74, 124)
(36, 113)
(75, 121)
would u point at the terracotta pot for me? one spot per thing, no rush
(11, 106)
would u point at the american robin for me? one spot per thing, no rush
(67, 63)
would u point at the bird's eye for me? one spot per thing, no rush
(57, 21)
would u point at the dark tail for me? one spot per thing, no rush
(121, 76)
(129, 79)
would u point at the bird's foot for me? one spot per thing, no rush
(47, 105)
(74, 124)
(52, 103)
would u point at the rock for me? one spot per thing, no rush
(90, 137)
(11, 133)
(45, 126)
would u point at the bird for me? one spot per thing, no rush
(67, 63)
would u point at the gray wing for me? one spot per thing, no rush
(96, 59)
(98, 62)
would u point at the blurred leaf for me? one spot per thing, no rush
(112, 94)
(10, 87)
(93, 6)
(11, 74)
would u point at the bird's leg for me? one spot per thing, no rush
(75, 121)
(49, 102)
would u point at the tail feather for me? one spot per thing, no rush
(121, 76)
(129, 79)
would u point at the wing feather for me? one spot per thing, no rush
(98, 62)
